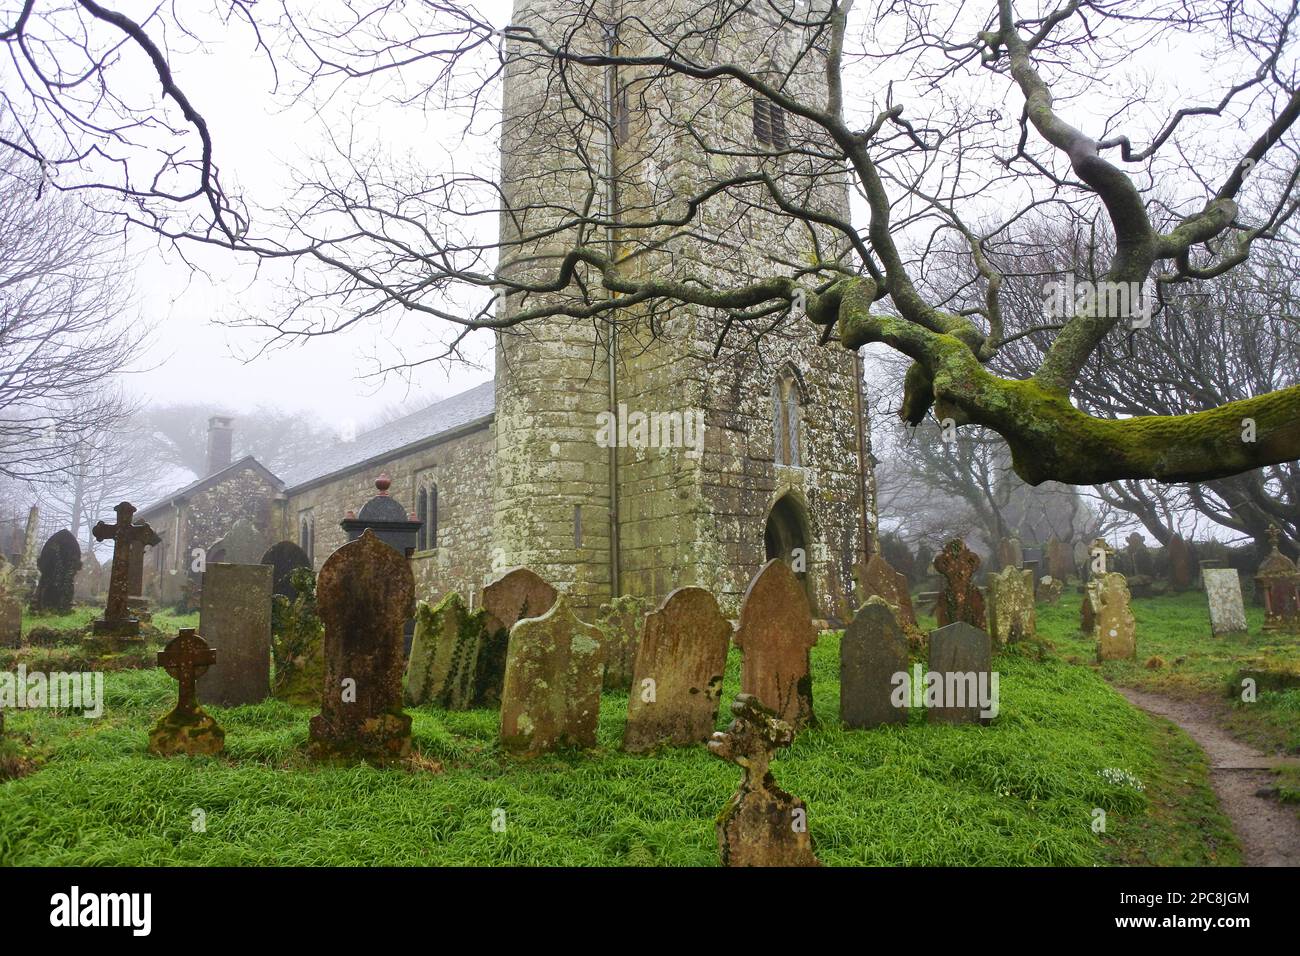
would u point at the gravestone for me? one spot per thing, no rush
(516, 594)
(364, 594)
(960, 599)
(1060, 563)
(1088, 609)
(119, 626)
(551, 694)
(1116, 630)
(284, 558)
(761, 825)
(879, 579)
(872, 651)
(1180, 564)
(1008, 554)
(24, 575)
(1050, 589)
(297, 646)
(1139, 555)
(961, 654)
(444, 654)
(1277, 582)
(235, 620)
(1223, 592)
(242, 544)
(11, 619)
(188, 729)
(677, 681)
(620, 623)
(1012, 616)
(775, 637)
(59, 563)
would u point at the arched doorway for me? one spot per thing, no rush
(786, 537)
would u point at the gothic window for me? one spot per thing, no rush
(786, 419)
(622, 117)
(426, 510)
(307, 534)
(769, 124)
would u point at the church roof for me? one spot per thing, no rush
(248, 461)
(438, 422)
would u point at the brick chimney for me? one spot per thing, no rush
(220, 438)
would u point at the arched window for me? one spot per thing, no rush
(426, 510)
(769, 124)
(307, 534)
(786, 419)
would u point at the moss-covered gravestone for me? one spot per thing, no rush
(444, 654)
(1116, 629)
(872, 651)
(365, 594)
(1012, 614)
(120, 627)
(761, 825)
(877, 578)
(677, 681)
(961, 657)
(187, 729)
(776, 636)
(515, 595)
(960, 599)
(296, 642)
(551, 694)
(621, 623)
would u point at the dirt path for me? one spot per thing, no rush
(1269, 831)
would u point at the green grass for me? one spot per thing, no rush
(1020, 792)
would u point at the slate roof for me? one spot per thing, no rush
(472, 407)
(208, 481)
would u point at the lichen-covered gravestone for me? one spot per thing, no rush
(872, 651)
(775, 637)
(620, 623)
(1088, 608)
(444, 654)
(1277, 583)
(11, 618)
(1180, 564)
(119, 627)
(188, 729)
(1012, 616)
(284, 558)
(551, 694)
(364, 595)
(1223, 592)
(879, 579)
(517, 594)
(677, 681)
(961, 654)
(296, 642)
(960, 599)
(235, 619)
(59, 562)
(761, 825)
(1116, 629)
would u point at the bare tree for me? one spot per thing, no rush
(177, 435)
(929, 153)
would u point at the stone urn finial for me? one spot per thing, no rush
(383, 482)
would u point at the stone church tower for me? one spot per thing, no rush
(782, 468)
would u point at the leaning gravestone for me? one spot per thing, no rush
(1223, 591)
(879, 579)
(59, 563)
(960, 599)
(285, 558)
(776, 636)
(961, 657)
(517, 594)
(188, 729)
(620, 623)
(761, 825)
(872, 651)
(1012, 616)
(551, 694)
(444, 654)
(1116, 629)
(364, 595)
(235, 619)
(677, 680)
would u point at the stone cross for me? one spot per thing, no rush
(1100, 548)
(186, 658)
(117, 619)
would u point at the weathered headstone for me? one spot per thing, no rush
(761, 825)
(444, 654)
(1181, 573)
(242, 544)
(364, 594)
(1277, 581)
(24, 575)
(1223, 592)
(235, 620)
(297, 645)
(1012, 616)
(677, 680)
(516, 594)
(188, 729)
(11, 619)
(59, 562)
(961, 655)
(284, 558)
(1050, 589)
(1116, 629)
(551, 694)
(1088, 608)
(1060, 562)
(872, 651)
(960, 599)
(1139, 555)
(118, 626)
(620, 623)
(879, 579)
(775, 637)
